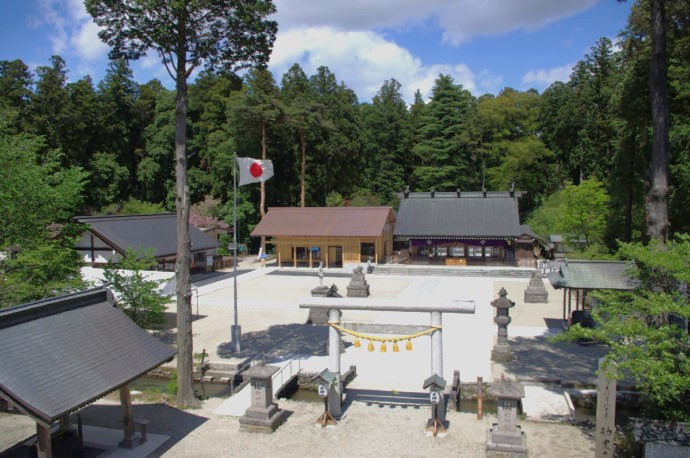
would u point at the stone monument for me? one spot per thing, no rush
(501, 352)
(320, 316)
(263, 416)
(536, 292)
(358, 286)
(506, 438)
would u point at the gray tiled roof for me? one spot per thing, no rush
(60, 354)
(145, 231)
(593, 275)
(470, 215)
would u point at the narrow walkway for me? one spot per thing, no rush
(545, 403)
(237, 405)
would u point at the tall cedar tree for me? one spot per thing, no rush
(220, 35)
(446, 162)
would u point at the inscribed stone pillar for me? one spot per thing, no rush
(335, 394)
(505, 438)
(263, 416)
(606, 413)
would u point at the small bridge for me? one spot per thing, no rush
(388, 398)
(237, 405)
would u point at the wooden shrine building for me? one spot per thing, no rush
(462, 228)
(335, 236)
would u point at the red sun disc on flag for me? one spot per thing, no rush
(256, 170)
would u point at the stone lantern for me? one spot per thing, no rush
(501, 352)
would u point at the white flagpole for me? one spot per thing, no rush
(235, 330)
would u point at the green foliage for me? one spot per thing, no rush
(137, 295)
(365, 198)
(584, 211)
(40, 269)
(446, 159)
(133, 207)
(643, 342)
(545, 220)
(334, 199)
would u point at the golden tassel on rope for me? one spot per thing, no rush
(370, 347)
(357, 343)
(395, 347)
(383, 347)
(408, 345)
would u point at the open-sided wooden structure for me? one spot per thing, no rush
(63, 353)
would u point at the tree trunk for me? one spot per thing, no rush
(185, 392)
(657, 197)
(303, 147)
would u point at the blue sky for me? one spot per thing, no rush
(485, 45)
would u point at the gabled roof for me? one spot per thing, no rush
(62, 353)
(593, 275)
(324, 221)
(145, 231)
(470, 215)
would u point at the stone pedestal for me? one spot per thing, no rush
(263, 416)
(358, 286)
(536, 292)
(501, 352)
(506, 438)
(320, 316)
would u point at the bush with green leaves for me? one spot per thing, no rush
(138, 296)
(646, 329)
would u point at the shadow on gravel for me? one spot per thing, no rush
(558, 362)
(281, 342)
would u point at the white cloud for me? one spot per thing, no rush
(459, 20)
(364, 60)
(73, 31)
(545, 77)
(86, 43)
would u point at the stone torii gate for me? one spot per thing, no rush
(335, 305)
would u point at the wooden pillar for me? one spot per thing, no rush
(570, 297)
(127, 416)
(279, 263)
(309, 247)
(577, 299)
(294, 256)
(376, 252)
(564, 316)
(327, 263)
(44, 445)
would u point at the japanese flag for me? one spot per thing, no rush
(254, 170)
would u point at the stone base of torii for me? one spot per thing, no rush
(335, 305)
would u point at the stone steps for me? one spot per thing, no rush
(393, 269)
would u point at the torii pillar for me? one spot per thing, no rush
(335, 305)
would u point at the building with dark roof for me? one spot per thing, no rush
(63, 353)
(109, 237)
(580, 277)
(336, 236)
(462, 228)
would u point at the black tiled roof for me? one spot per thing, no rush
(470, 215)
(145, 231)
(63, 353)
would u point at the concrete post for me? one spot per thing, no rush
(436, 345)
(335, 394)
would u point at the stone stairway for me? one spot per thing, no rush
(459, 271)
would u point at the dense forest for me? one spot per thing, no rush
(115, 139)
